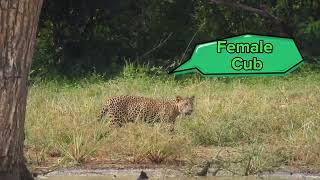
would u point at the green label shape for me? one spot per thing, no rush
(244, 55)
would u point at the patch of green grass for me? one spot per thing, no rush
(271, 112)
(138, 142)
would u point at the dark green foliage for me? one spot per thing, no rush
(80, 37)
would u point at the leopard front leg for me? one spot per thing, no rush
(172, 123)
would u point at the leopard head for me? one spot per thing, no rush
(185, 105)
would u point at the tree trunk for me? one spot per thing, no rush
(18, 27)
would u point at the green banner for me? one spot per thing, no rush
(244, 55)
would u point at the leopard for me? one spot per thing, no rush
(125, 108)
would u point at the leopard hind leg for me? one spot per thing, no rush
(103, 112)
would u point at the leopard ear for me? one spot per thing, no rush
(192, 98)
(178, 98)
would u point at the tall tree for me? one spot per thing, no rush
(18, 27)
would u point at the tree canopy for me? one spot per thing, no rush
(79, 36)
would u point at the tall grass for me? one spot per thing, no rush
(281, 114)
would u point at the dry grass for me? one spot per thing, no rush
(280, 114)
(138, 142)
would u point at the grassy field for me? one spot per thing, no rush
(246, 125)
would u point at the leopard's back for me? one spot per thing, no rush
(123, 109)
